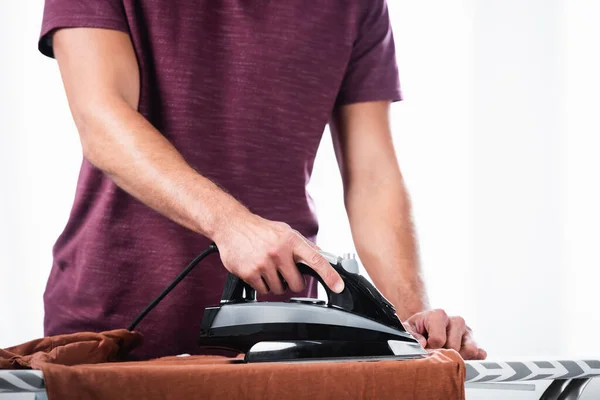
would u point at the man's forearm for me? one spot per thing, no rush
(100, 73)
(381, 223)
(123, 144)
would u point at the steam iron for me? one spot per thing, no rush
(356, 324)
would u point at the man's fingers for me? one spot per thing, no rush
(469, 349)
(421, 339)
(292, 276)
(441, 331)
(412, 330)
(308, 242)
(306, 254)
(436, 324)
(259, 285)
(271, 276)
(454, 333)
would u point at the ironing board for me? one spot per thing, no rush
(567, 378)
(564, 379)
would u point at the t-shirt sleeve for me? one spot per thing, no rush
(108, 14)
(372, 72)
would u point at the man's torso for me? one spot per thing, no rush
(243, 89)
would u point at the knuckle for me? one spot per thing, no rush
(470, 351)
(317, 260)
(435, 341)
(259, 268)
(272, 252)
(291, 239)
(279, 224)
(327, 274)
(284, 226)
(460, 321)
(331, 275)
(440, 314)
(245, 276)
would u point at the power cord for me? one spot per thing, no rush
(211, 249)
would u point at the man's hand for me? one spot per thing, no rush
(259, 251)
(435, 329)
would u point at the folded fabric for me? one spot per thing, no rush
(83, 365)
(71, 349)
(439, 376)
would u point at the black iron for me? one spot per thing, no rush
(358, 323)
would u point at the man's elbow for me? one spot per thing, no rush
(88, 134)
(93, 125)
(365, 190)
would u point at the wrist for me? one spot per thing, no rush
(224, 216)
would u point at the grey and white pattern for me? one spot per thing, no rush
(513, 371)
(21, 381)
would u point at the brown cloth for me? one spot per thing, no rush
(439, 376)
(72, 349)
(78, 366)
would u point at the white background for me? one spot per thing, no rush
(497, 139)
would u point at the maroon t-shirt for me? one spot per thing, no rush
(243, 89)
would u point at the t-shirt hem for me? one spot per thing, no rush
(393, 96)
(51, 25)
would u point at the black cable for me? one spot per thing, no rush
(211, 249)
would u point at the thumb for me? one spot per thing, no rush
(420, 338)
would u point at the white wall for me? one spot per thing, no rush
(581, 193)
(518, 170)
(39, 161)
(495, 139)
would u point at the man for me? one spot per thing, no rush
(199, 121)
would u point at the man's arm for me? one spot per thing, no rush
(377, 204)
(101, 78)
(379, 211)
